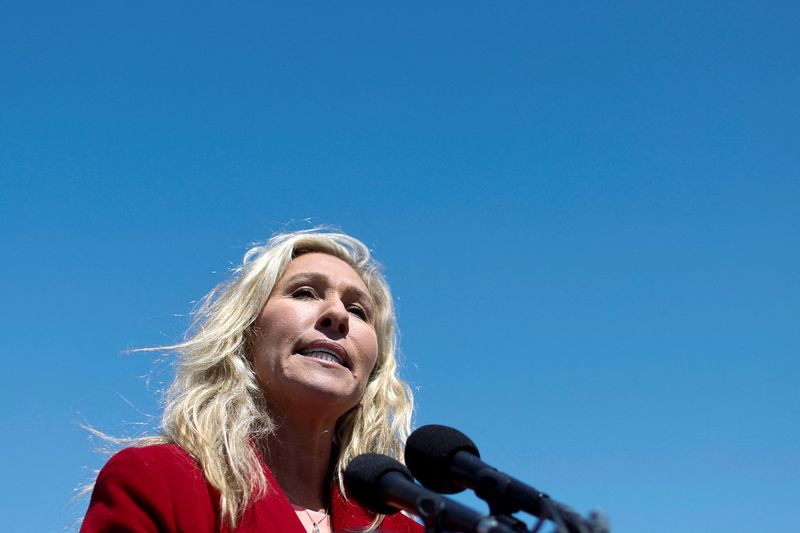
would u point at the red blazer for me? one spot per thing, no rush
(162, 489)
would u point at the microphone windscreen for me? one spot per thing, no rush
(429, 453)
(362, 479)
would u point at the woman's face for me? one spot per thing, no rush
(315, 343)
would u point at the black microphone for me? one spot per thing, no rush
(445, 460)
(383, 485)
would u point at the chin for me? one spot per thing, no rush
(327, 398)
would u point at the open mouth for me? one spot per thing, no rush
(324, 355)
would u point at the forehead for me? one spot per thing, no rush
(334, 269)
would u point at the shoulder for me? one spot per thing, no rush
(140, 489)
(348, 515)
(400, 523)
(165, 470)
(160, 460)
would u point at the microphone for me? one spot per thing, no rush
(383, 485)
(447, 461)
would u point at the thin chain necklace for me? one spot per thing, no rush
(315, 525)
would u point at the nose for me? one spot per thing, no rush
(334, 319)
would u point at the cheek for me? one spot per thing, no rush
(276, 332)
(371, 351)
(281, 324)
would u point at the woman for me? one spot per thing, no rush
(287, 374)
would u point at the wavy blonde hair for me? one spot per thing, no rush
(215, 406)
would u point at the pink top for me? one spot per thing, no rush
(313, 521)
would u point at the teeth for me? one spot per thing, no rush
(321, 354)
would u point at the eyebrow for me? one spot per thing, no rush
(321, 277)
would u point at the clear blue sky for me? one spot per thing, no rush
(588, 214)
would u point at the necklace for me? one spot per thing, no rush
(315, 525)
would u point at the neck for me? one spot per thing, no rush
(299, 456)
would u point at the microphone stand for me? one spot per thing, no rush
(565, 519)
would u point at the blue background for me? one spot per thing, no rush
(588, 214)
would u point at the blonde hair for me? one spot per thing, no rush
(215, 408)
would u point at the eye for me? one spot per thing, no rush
(357, 310)
(304, 293)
